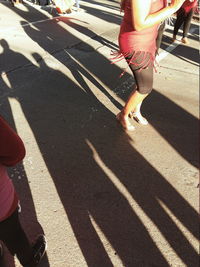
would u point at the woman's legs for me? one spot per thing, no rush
(144, 82)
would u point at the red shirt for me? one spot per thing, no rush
(12, 151)
(187, 5)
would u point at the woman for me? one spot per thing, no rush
(12, 234)
(184, 16)
(137, 42)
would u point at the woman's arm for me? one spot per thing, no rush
(140, 13)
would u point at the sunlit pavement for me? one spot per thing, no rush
(103, 197)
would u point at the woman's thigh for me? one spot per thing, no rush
(142, 69)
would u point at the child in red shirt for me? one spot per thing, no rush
(12, 151)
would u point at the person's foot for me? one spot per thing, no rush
(184, 40)
(124, 121)
(173, 38)
(39, 248)
(139, 118)
(1, 251)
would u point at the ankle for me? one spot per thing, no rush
(184, 39)
(174, 38)
(124, 114)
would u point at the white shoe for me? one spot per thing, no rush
(139, 118)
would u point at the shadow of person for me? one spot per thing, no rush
(175, 202)
(61, 114)
(176, 125)
(84, 189)
(18, 175)
(105, 14)
(187, 250)
(152, 192)
(50, 40)
(10, 59)
(148, 188)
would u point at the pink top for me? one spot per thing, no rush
(12, 151)
(8, 200)
(144, 40)
(132, 41)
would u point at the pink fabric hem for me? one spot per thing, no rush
(143, 64)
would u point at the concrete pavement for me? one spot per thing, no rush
(101, 196)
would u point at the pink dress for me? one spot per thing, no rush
(144, 41)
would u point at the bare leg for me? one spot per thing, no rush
(134, 100)
(136, 113)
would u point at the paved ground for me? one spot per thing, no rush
(103, 197)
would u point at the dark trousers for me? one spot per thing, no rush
(185, 19)
(15, 239)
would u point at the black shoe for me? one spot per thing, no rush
(39, 249)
